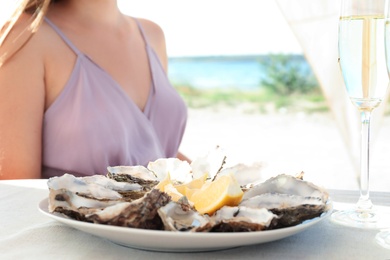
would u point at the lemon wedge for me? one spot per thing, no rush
(192, 185)
(172, 191)
(161, 185)
(189, 192)
(224, 191)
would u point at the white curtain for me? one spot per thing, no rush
(315, 25)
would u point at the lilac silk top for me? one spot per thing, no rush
(94, 124)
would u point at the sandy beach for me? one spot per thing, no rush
(286, 143)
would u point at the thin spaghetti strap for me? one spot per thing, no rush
(63, 37)
(142, 31)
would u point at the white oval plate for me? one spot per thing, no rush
(168, 241)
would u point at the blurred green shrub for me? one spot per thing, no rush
(287, 74)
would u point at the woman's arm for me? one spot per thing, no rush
(22, 97)
(183, 157)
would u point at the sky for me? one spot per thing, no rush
(217, 27)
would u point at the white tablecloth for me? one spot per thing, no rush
(25, 233)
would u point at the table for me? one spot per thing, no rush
(25, 233)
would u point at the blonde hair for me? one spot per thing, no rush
(37, 9)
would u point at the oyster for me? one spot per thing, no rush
(210, 164)
(141, 213)
(179, 171)
(242, 219)
(245, 175)
(181, 216)
(133, 174)
(292, 199)
(98, 199)
(84, 195)
(288, 184)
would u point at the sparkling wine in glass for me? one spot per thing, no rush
(363, 66)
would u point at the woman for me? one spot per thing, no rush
(85, 90)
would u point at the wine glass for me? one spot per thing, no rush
(363, 66)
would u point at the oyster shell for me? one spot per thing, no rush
(141, 213)
(181, 216)
(292, 199)
(242, 219)
(83, 195)
(210, 164)
(179, 171)
(246, 175)
(98, 199)
(288, 184)
(133, 174)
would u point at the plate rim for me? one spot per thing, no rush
(232, 239)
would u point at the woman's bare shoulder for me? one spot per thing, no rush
(156, 38)
(23, 40)
(152, 28)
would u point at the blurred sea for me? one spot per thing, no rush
(242, 72)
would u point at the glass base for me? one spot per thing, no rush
(365, 219)
(383, 239)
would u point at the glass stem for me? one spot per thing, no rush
(364, 202)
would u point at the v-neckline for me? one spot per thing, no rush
(145, 110)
